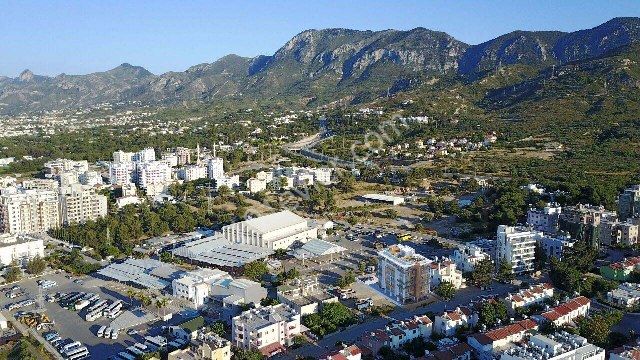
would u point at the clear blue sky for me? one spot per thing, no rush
(78, 37)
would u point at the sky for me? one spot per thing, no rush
(78, 37)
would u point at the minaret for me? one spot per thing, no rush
(198, 154)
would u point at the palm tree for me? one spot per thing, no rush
(161, 303)
(131, 294)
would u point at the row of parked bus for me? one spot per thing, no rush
(76, 301)
(104, 308)
(108, 332)
(69, 349)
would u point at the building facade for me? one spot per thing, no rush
(516, 245)
(79, 204)
(403, 275)
(267, 329)
(28, 211)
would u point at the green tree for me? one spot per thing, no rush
(482, 273)
(13, 273)
(248, 354)
(346, 279)
(255, 270)
(36, 266)
(219, 328)
(20, 350)
(445, 290)
(505, 271)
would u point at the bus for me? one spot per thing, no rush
(155, 342)
(113, 308)
(71, 346)
(404, 237)
(135, 351)
(100, 332)
(76, 353)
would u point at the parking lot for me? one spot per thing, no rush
(71, 324)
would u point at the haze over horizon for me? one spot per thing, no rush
(80, 38)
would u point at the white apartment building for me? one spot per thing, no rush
(90, 178)
(152, 173)
(273, 231)
(255, 185)
(467, 256)
(545, 219)
(614, 232)
(555, 245)
(59, 166)
(20, 249)
(196, 285)
(144, 155)
(626, 295)
(79, 204)
(449, 321)
(267, 329)
(28, 211)
(215, 168)
(193, 172)
(403, 275)
(517, 245)
(445, 271)
(121, 173)
(183, 155)
(560, 346)
(122, 157)
(231, 182)
(40, 184)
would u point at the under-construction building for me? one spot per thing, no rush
(403, 275)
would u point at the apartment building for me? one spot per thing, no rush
(215, 168)
(583, 222)
(196, 285)
(398, 333)
(268, 329)
(305, 295)
(79, 204)
(467, 256)
(121, 173)
(545, 219)
(183, 156)
(403, 275)
(59, 166)
(255, 185)
(144, 155)
(555, 245)
(152, 173)
(19, 248)
(629, 203)
(565, 313)
(40, 184)
(613, 232)
(28, 211)
(559, 346)
(122, 157)
(449, 321)
(535, 294)
(273, 231)
(192, 172)
(516, 245)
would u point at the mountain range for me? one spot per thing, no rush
(317, 67)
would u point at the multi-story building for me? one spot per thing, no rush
(59, 166)
(560, 346)
(206, 346)
(555, 245)
(196, 285)
(305, 295)
(193, 172)
(535, 294)
(255, 185)
(626, 295)
(268, 329)
(613, 232)
(28, 211)
(19, 249)
(273, 231)
(583, 222)
(467, 256)
(80, 203)
(121, 173)
(398, 333)
(40, 184)
(183, 156)
(565, 313)
(629, 203)
(403, 275)
(545, 219)
(152, 173)
(215, 168)
(144, 155)
(516, 245)
(449, 321)
(90, 178)
(445, 271)
(122, 157)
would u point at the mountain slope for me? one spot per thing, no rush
(316, 67)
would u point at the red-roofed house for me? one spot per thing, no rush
(459, 351)
(397, 333)
(447, 323)
(352, 352)
(485, 344)
(535, 294)
(567, 312)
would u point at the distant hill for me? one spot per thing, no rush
(320, 66)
